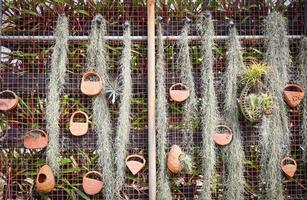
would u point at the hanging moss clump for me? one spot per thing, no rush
(55, 88)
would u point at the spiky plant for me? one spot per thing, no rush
(233, 155)
(97, 60)
(55, 87)
(164, 192)
(275, 132)
(254, 73)
(123, 123)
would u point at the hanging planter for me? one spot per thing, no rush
(92, 186)
(45, 181)
(135, 163)
(91, 84)
(78, 128)
(293, 95)
(8, 100)
(173, 162)
(35, 139)
(287, 168)
(179, 92)
(223, 135)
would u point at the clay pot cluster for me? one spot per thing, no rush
(293, 95)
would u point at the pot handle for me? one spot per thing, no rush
(287, 158)
(136, 156)
(226, 127)
(93, 172)
(78, 112)
(10, 92)
(43, 133)
(179, 84)
(296, 86)
(90, 73)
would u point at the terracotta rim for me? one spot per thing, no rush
(90, 73)
(93, 172)
(287, 158)
(43, 133)
(136, 156)
(186, 88)
(79, 112)
(294, 85)
(226, 127)
(15, 98)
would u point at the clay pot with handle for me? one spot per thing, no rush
(91, 87)
(293, 95)
(135, 163)
(92, 186)
(8, 100)
(35, 139)
(222, 138)
(173, 162)
(179, 92)
(288, 169)
(45, 181)
(78, 128)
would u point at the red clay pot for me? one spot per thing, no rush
(6, 103)
(91, 88)
(173, 162)
(293, 95)
(35, 139)
(45, 181)
(222, 138)
(288, 169)
(134, 165)
(92, 186)
(181, 94)
(78, 128)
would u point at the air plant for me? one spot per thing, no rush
(254, 73)
(57, 80)
(114, 89)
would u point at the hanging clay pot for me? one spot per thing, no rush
(91, 87)
(8, 100)
(222, 138)
(133, 163)
(45, 181)
(293, 95)
(288, 169)
(92, 186)
(179, 92)
(35, 139)
(173, 162)
(78, 128)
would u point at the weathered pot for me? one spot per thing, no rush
(224, 138)
(288, 169)
(78, 128)
(91, 88)
(35, 139)
(181, 94)
(92, 186)
(6, 103)
(45, 181)
(293, 95)
(173, 162)
(134, 165)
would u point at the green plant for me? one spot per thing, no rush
(186, 163)
(256, 104)
(254, 73)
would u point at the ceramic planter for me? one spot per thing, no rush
(91, 87)
(35, 139)
(8, 100)
(92, 186)
(133, 163)
(78, 128)
(45, 181)
(179, 92)
(222, 138)
(288, 169)
(173, 162)
(293, 95)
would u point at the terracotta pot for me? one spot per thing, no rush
(45, 181)
(224, 138)
(6, 103)
(91, 88)
(293, 95)
(179, 95)
(288, 169)
(78, 128)
(92, 186)
(35, 139)
(173, 162)
(133, 164)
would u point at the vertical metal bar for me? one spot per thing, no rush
(151, 98)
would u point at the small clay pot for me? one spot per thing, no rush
(78, 128)
(6, 103)
(179, 92)
(45, 181)
(92, 186)
(91, 88)
(288, 169)
(224, 138)
(35, 139)
(293, 95)
(173, 162)
(134, 165)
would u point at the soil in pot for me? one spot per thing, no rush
(293, 95)
(92, 182)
